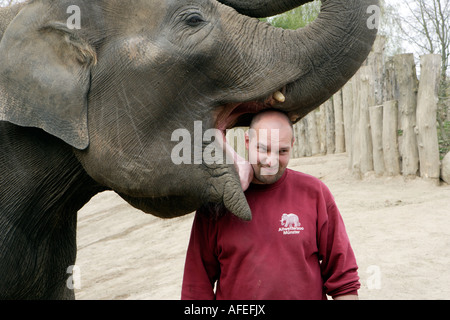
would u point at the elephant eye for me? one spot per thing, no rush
(194, 20)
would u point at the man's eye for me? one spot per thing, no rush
(262, 149)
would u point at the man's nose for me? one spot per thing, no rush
(271, 159)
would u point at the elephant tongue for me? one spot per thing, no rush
(242, 166)
(234, 198)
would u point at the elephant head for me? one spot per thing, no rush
(119, 84)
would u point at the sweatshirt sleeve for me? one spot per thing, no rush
(338, 262)
(201, 267)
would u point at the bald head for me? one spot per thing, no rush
(271, 118)
(269, 141)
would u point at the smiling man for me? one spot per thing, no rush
(269, 141)
(295, 247)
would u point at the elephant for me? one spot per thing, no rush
(290, 220)
(92, 106)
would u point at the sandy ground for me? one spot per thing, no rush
(399, 231)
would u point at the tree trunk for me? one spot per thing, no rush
(390, 144)
(405, 72)
(339, 122)
(426, 116)
(376, 123)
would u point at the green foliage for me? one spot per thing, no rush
(444, 145)
(298, 17)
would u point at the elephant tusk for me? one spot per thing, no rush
(279, 97)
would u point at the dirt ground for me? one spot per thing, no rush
(399, 231)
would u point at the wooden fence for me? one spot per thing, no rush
(383, 118)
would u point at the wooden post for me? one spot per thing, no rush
(296, 153)
(312, 129)
(329, 116)
(364, 123)
(406, 79)
(376, 61)
(356, 136)
(339, 122)
(347, 105)
(294, 150)
(376, 123)
(304, 137)
(390, 144)
(427, 99)
(389, 80)
(322, 129)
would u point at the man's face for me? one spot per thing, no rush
(269, 144)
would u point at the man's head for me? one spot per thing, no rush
(269, 142)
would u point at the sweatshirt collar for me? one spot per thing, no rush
(264, 187)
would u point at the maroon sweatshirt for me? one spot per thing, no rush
(295, 247)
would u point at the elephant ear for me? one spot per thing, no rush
(45, 76)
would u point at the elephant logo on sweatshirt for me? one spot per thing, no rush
(290, 224)
(290, 220)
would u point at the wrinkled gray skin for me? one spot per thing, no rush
(93, 109)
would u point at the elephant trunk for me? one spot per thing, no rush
(234, 200)
(224, 189)
(310, 63)
(263, 8)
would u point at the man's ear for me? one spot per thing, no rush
(45, 76)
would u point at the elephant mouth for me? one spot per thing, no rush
(240, 114)
(233, 115)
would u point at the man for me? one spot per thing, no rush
(295, 247)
